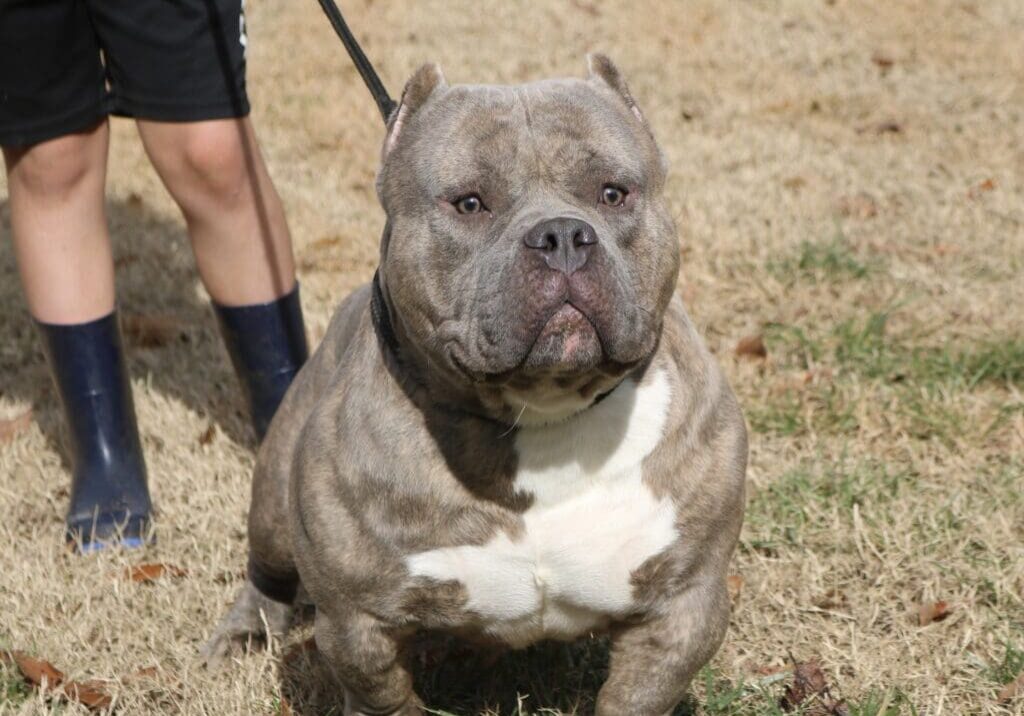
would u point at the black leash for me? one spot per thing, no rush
(385, 104)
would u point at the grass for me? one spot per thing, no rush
(13, 690)
(887, 421)
(862, 347)
(866, 367)
(1011, 665)
(799, 498)
(828, 260)
(720, 696)
(715, 693)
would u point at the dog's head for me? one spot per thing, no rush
(529, 252)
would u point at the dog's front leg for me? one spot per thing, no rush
(652, 662)
(364, 657)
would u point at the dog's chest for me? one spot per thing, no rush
(591, 524)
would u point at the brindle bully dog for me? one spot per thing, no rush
(515, 431)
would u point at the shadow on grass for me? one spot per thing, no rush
(457, 679)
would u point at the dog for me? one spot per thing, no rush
(514, 432)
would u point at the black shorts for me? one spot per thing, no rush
(66, 64)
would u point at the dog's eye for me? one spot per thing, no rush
(469, 204)
(612, 195)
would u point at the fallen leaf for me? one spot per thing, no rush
(150, 330)
(734, 583)
(1013, 689)
(978, 189)
(858, 206)
(39, 673)
(147, 573)
(285, 709)
(883, 61)
(91, 694)
(10, 427)
(752, 347)
(794, 183)
(208, 435)
(134, 200)
(808, 680)
(932, 612)
(35, 671)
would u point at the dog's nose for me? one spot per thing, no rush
(566, 243)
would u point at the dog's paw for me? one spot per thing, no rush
(252, 618)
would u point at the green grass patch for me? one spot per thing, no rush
(902, 378)
(798, 501)
(831, 259)
(892, 702)
(1011, 665)
(720, 696)
(828, 410)
(863, 347)
(820, 495)
(13, 689)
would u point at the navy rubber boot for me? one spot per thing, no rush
(109, 495)
(267, 345)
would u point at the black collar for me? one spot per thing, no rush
(382, 318)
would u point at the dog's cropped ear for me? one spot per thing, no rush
(424, 82)
(604, 70)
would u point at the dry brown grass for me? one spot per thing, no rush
(885, 268)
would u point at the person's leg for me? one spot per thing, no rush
(178, 68)
(64, 258)
(216, 174)
(60, 227)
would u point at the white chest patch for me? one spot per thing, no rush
(591, 524)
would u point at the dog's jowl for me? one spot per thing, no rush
(514, 432)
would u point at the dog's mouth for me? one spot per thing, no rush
(568, 343)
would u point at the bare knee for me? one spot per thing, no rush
(206, 163)
(56, 168)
